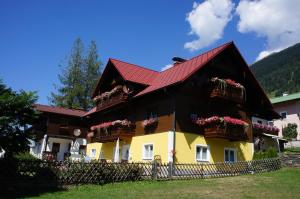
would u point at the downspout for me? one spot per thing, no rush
(174, 126)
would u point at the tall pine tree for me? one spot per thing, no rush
(78, 78)
(92, 73)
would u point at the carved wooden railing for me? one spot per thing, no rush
(112, 134)
(228, 92)
(228, 131)
(121, 97)
(259, 129)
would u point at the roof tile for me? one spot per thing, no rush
(182, 71)
(134, 73)
(59, 110)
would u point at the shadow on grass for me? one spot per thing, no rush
(28, 190)
(23, 179)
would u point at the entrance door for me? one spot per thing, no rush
(125, 152)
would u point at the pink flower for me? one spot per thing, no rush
(149, 122)
(266, 128)
(217, 119)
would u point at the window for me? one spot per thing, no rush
(148, 152)
(93, 153)
(55, 147)
(283, 114)
(82, 149)
(202, 153)
(229, 155)
(259, 121)
(271, 123)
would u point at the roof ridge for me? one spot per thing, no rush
(228, 43)
(135, 65)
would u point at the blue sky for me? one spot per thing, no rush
(36, 36)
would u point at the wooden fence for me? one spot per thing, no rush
(67, 173)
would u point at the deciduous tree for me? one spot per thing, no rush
(17, 114)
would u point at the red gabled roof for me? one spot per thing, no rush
(180, 72)
(59, 110)
(134, 73)
(93, 110)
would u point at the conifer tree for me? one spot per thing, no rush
(92, 73)
(78, 78)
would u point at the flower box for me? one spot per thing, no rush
(223, 127)
(116, 95)
(110, 131)
(227, 89)
(150, 125)
(259, 129)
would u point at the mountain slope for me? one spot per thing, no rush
(279, 72)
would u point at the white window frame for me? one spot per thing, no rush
(235, 154)
(285, 114)
(208, 153)
(144, 152)
(93, 155)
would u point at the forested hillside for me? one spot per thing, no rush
(279, 72)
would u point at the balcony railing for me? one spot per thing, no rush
(112, 134)
(115, 96)
(110, 131)
(223, 127)
(230, 132)
(259, 129)
(122, 97)
(227, 89)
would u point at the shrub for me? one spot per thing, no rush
(290, 131)
(269, 153)
(25, 156)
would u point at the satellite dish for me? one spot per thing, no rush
(77, 132)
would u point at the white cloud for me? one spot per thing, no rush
(166, 67)
(276, 20)
(207, 21)
(266, 53)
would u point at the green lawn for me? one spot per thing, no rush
(292, 150)
(279, 184)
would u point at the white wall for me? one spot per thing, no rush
(293, 109)
(64, 146)
(35, 149)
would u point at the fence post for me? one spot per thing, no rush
(170, 170)
(154, 170)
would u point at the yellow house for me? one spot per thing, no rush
(199, 110)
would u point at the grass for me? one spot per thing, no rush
(292, 150)
(279, 184)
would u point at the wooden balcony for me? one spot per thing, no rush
(259, 129)
(230, 132)
(113, 100)
(229, 92)
(112, 134)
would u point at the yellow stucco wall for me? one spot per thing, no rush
(107, 149)
(159, 141)
(160, 146)
(91, 146)
(186, 148)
